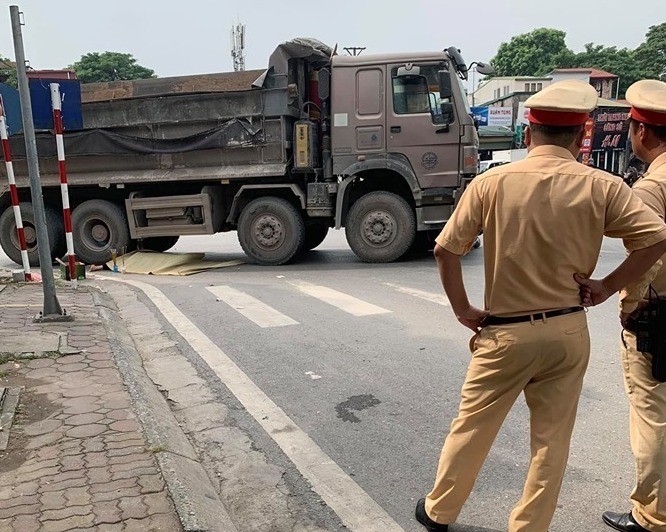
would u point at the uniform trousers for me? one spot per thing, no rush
(647, 432)
(544, 358)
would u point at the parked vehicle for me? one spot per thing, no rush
(382, 145)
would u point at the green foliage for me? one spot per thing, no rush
(532, 54)
(8, 75)
(540, 51)
(109, 66)
(651, 54)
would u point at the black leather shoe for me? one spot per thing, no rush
(422, 517)
(623, 522)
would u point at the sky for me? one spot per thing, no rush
(193, 36)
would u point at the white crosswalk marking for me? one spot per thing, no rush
(440, 299)
(347, 303)
(250, 307)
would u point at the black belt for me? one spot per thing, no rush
(500, 320)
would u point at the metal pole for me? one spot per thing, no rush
(51, 304)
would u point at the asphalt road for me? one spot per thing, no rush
(368, 360)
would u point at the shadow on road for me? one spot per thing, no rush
(467, 528)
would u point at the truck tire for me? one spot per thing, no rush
(158, 243)
(315, 233)
(380, 227)
(271, 231)
(9, 236)
(99, 226)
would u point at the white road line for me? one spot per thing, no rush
(357, 510)
(440, 299)
(250, 307)
(347, 303)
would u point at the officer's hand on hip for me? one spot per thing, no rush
(472, 318)
(592, 291)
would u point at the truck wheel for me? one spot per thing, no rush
(271, 231)
(315, 233)
(9, 236)
(380, 227)
(158, 243)
(99, 226)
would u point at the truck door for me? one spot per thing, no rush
(415, 126)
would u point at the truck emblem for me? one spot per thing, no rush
(429, 160)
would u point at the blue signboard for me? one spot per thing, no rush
(481, 115)
(12, 105)
(40, 96)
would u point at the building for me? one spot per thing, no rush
(606, 84)
(503, 90)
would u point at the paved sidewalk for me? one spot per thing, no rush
(77, 457)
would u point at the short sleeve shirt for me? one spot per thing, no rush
(651, 188)
(543, 220)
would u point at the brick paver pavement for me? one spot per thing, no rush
(86, 465)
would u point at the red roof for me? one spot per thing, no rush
(595, 73)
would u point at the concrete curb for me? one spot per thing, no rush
(197, 503)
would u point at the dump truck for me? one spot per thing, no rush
(380, 145)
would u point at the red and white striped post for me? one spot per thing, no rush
(56, 103)
(4, 137)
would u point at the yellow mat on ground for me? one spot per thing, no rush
(152, 263)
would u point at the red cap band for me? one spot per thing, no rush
(654, 118)
(557, 118)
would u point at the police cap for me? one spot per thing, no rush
(564, 103)
(648, 102)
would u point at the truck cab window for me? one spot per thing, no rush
(418, 94)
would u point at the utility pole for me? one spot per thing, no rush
(238, 46)
(52, 309)
(354, 50)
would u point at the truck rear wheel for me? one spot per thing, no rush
(9, 236)
(380, 227)
(271, 231)
(315, 233)
(158, 243)
(99, 226)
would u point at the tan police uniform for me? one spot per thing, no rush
(647, 396)
(543, 219)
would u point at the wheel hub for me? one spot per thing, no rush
(269, 231)
(30, 235)
(100, 232)
(378, 227)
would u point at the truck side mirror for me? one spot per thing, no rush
(445, 91)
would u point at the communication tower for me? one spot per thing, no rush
(238, 46)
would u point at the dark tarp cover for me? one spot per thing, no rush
(234, 133)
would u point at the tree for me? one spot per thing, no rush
(532, 54)
(651, 54)
(7, 72)
(109, 66)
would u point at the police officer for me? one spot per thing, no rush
(647, 396)
(543, 220)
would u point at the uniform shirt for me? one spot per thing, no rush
(543, 219)
(651, 188)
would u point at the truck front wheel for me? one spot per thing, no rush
(99, 226)
(9, 236)
(380, 227)
(271, 231)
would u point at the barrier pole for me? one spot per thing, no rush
(4, 138)
(56, 103)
